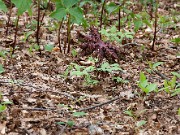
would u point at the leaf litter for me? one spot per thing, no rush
(41, 98)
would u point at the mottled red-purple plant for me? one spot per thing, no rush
(92, 44)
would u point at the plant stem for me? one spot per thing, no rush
(119, 19)
(59, 35)
(102, 11)
(68, 34)
(9, 18)
(38, 26)
(155, 29)
(15, 35)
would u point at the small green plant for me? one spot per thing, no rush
(69, 123)
(1, 69)
(179, 111)
(129, 112)
(145, 85)
(3, 105)
(141, 123)
(172, 86)
(49, 47)
(33, 48)
(153, 66)
(3, 53)
(109, 68)
(79, 114)
(119, 80)
(113, 34)
(176, 40)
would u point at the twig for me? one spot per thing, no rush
(38, 109)
(101, 104)
(40, 89)
(161, 75)
(130, 44)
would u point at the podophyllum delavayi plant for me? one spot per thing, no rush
(67, 10)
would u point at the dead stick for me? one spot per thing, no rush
(99, 105)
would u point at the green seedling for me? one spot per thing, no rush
(69, 123)
(113, 34)
(130, 113)
(145, 85)
(179, 111)
(140, 123)
(1, 69)
(3, 105)
(109, 68)
(79, 114)
(119, 80)
(49, 47)
(3, 54)
(27, 34)
(33, 48)
(172, 86)
(153, 66)
(74, 52)
(176, 40)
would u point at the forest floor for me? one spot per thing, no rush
(44, 101)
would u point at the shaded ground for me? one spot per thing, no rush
(38, 89)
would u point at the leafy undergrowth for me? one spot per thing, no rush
(51, 92)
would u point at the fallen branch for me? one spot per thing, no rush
(99, 105)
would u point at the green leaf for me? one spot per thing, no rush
(77, 14)
(142, 77)
(27, 34)
(61, 123)
(7, 103)
(137, 25)
(175, 92)
(49, 47)
(112, 7)
(77, 73)
(59, 14)
(141, 123)
(69, 3)
(166, 86)
(89, 69)
(129, 112)
(3, 7)
(70, 123)
(79, 114)
(2, 108)
(173, 82)
(179, 111)
(22, 5)
(156, 64)
(151, 87)
(176, 74)
(176, 40)
(1, 69)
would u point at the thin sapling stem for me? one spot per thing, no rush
(155, 27)
(38, 27)
(15, 35)
(59, 34)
